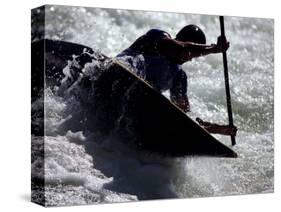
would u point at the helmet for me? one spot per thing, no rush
(191, 33)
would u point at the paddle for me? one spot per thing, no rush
(226, 79)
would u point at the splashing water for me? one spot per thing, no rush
(79, 169)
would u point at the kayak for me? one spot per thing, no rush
(128, 108)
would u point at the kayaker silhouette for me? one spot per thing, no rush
(157, 58)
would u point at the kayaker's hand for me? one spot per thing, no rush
(232, 130)
(182, 102)
(222, 45)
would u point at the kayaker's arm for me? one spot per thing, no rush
(184, 51)
(178, 91)
(218, 129)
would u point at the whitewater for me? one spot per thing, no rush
(81, 169)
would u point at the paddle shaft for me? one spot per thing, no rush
(226, 79)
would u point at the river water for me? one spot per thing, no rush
(80, 170)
